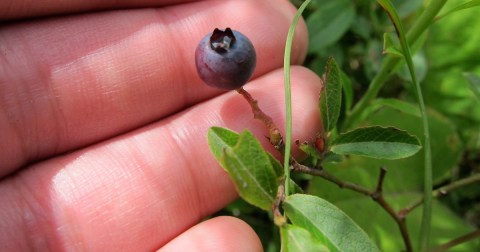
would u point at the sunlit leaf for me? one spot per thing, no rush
(248, 164)
(219, 139)
(297, 239)
(327, 223)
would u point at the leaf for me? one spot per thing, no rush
(474, 82)
(331, 96)
(312, 153)
(390, 46)
(327, 223)
(251, 170)
(376, 142)
(329, 22)
(297, 239)
(219, 139)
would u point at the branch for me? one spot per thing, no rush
(457, 241)
(296, 167)
(444, 190)
(376, 195)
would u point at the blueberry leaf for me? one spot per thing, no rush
(250, 167)
(331, 96)
(297, 239)
(376, 142)
(327, 224)
(220, 139)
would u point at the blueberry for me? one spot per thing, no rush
(225, 59)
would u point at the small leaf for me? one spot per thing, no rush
(219, 139)
(312, 153)
(474, 82)
(297, 239)
(377, 142)
(331, 96)
(327, 223)
(251, 170)
(390, 46)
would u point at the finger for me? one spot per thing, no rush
(15, 9)
(61, 89)
(142, 189)
(218, 234)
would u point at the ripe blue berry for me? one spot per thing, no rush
(225, 59)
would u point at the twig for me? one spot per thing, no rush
(327, 176)
(376, 195)
(275, 136)
(444, 190)
(401, 222)
(457, 241)
(278, 218)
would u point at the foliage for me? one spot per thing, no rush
(371, 119)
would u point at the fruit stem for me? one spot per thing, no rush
(275, 137)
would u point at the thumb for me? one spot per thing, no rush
(217, 234)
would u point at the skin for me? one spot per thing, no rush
(103, 122)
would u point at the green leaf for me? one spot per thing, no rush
(474, 82)
(329, 22)
(312, 153)
(376, 142)
(390, 46)
(219, 139)
(251, 170)
(297, 239)
(331, 96)
(327, 223)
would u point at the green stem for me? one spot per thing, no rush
(288, 96)
(390, 63)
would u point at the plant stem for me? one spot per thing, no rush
(296, 167)
(457, 241)
(390, 63)
(288, 94)
(376, 195)
(274, 134)
(443, 191)
(401, 222)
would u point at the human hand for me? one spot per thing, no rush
(103, 122)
